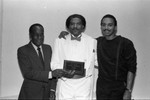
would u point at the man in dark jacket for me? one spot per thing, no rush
(34, 61)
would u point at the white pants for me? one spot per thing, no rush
(74, 89)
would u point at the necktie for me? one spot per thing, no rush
(40, 56)
(76, 38)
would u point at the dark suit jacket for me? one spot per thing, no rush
(36, 84)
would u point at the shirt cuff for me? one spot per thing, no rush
(50, 75)
(52, 90)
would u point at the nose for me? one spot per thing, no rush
(75, 25)
(106, 27)
(39, 36)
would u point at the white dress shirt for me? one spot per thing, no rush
(83, 51)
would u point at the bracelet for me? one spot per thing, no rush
(129, 90)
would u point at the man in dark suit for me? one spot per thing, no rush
(34, 61)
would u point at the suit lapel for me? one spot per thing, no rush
(46, 54)
(35, 56)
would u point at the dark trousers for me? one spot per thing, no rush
(109, 90)
(28, 93)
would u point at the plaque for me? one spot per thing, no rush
(74, 65)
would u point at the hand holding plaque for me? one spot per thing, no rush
(69, 73)
(76, 66)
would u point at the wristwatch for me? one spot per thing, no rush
(129, 90)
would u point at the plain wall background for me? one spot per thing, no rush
(16, 16)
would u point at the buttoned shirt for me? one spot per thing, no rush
(82, 51)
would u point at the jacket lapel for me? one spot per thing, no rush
(35, 56)
(45, 56)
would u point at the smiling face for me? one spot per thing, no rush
(37, 35)
(76, 27)
(108, 27)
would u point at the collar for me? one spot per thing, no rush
(35, 47)
(78, 38)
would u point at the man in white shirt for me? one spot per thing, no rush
(79, 48)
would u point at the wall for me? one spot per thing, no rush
(133, 22)
(0, 41)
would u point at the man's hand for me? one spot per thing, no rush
(52, 95)
(58, 73)
(63, 34)
(127, 95)
(69, 74)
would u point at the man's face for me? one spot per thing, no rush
(76, 27)
(108, 27)
(37, 37)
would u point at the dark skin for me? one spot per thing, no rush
(37, 36)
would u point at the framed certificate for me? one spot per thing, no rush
(74, 65)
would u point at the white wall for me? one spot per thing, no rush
(133, 22)
(0, 41)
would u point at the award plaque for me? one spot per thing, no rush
(74, 65)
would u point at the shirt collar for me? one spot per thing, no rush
(78, 38)
(35, 47)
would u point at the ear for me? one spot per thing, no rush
(83, 28)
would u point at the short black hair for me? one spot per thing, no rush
(109, 16)
(32, 28)
(75, 16)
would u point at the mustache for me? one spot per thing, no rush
(106, 30)
(75, 28)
